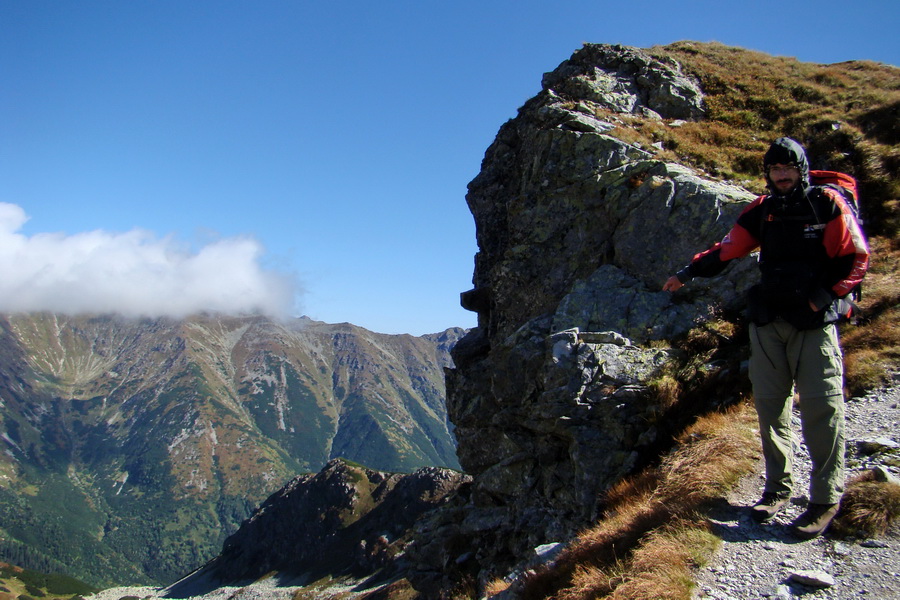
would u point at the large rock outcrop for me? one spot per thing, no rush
(344, 522)
(577, 231)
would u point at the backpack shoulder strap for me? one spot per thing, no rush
(842, 201)
(844, 185)
(764, 206)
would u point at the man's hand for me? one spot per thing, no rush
(672, 284)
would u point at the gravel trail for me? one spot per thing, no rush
(762, 561)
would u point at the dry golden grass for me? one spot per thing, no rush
(868, 508)
(872, 348)
(711, 457)
(649, 540)
(666, 389)
(661, 566)
(589, 581)
(845, 114)
(496, 586)
(707, 335)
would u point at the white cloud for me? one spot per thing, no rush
(134, 274)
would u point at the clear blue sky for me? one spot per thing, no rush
(160, 155)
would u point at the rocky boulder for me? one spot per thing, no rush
(552, 394)
(345, 521)
(627, 80)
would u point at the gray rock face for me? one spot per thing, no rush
(627, 80)
(553, 204)
(602, 232)
(577, 231)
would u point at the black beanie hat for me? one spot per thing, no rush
(785, 151)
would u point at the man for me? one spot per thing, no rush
(812, 254)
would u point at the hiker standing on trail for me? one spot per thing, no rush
(812, 254)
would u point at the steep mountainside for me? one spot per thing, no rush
(131, 448)
(582, 371)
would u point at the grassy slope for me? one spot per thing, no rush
(846, 115)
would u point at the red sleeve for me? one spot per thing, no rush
(843, 238)
(736, 244)
(739, 242)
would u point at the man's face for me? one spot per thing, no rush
(784, 177)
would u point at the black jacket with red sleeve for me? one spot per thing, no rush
(811, 250)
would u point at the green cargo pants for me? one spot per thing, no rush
(783, 359)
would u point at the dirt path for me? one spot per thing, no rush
(757, 561)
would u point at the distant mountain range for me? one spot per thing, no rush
(130, 449)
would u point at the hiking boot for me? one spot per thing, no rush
(768, 506)
(814, 520)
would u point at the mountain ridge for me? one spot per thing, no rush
(196, 421)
